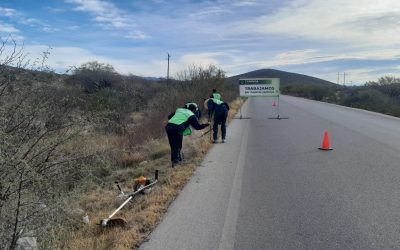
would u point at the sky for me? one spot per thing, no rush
(320, 38)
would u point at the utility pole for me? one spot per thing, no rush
(344, 78)
(338, 78)
(168, 69)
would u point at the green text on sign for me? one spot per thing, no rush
(255, 81)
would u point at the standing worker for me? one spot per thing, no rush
(219, 110)
(215, 95)
(178, 126)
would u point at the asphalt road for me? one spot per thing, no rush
(269, 187)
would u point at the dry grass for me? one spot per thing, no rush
(145, 212)
(129, 159)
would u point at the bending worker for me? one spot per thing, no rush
(179, 125)
(219, 110)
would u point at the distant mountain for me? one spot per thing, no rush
(286, 78)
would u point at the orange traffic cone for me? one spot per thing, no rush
(325, 142)
(274, 104)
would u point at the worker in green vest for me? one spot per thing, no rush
(178, 126)
(215, 95)
(218, 110)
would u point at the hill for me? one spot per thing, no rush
(287, 78)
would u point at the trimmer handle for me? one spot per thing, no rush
(116, 183)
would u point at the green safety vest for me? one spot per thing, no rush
(216, 96)
(217, 101)
(181, 116)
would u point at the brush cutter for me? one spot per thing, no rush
(141, 185)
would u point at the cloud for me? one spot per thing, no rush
(21, 18)
(316, 56)
(359, 76)
(212, 10)
(204, 59)
(245, 3)
(360, 66)
(54, 10)
(136, 35)
(7, 12)
(94, 6)
(108, 16)
(103, 12)
(110, 20)
(8, 28)
(63, 58)
(339, 21)
(315, 37)
(73, 27)
(33, 22)
(198, 59)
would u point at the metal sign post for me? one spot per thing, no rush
(277, 113)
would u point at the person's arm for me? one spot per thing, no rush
(226, 105)
(198, 113)
(210, 106)
(195, 123)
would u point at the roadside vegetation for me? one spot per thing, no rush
(381, 96)
(66, 138)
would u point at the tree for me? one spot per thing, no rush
(369, 99)
(36, 123)
(93, 76)
(389, 85)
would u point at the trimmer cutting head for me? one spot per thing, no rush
(113, 222)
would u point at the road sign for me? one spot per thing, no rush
(259, 87)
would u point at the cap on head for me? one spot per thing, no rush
(191, 106)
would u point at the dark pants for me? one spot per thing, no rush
(220, 119)
(175, 138)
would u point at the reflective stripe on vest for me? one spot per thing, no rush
(216, 101)
(216, 96)
(181, 116)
